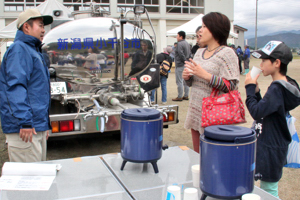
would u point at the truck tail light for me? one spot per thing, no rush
(76, 125)
(66, 126)
(171, 116)
(165, 119)
(55, 127)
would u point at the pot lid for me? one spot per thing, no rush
(229, 133)
(140, 114)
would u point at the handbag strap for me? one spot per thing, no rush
(215, 91)
(227, 83)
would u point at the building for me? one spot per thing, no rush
(240, 40)
(164, 14)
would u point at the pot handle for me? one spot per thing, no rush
(245, 139)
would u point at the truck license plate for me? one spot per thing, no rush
(58, 88)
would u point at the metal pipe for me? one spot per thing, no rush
(116, 49)
(256, 27)
(122, 70)
(154, 46)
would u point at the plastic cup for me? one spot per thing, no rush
(255, 71)
(189, 70)
(251, 196)
(174, 192)
(196, 175)
(190, 194)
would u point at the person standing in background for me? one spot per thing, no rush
(240, 55)
(172, 54)
(246, 59)
(25, 90)
(182, 54)
(197, 45)
(164, 56)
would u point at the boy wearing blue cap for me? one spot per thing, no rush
(282, 96)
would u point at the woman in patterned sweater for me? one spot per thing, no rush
(210, 66)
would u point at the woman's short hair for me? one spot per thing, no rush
(198, 28)
(219, 26)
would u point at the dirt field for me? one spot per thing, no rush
(173, 136)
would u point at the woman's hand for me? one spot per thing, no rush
(249, 80)
(197, 70)
(186, 74)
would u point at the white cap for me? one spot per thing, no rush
(32, 14)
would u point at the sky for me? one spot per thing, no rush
(273, 16)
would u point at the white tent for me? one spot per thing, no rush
(45, 8)
(190, 27)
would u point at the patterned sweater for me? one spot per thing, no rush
(223, 64)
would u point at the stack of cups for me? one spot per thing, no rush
(196, 175)
(174, 193)
(190, 194)
(251, 196)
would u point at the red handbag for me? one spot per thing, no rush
(223, 109)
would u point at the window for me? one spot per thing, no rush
(20, 8)
(185, 6)
(20, 5)
(80, 5)
(151, 5)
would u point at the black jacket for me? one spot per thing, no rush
(163, 56)
(273, 134)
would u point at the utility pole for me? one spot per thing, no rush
(256, 27)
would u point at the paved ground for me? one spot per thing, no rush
(175, 135)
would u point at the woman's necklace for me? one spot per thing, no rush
(211, 49)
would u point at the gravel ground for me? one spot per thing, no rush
(175, 135)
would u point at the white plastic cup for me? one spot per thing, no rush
(175, 192)
(190, 194)
(196, 175)
(251, 196)
(189, 70)
(255, 71)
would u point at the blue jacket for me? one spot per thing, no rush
(247, 53)
(239, 51)
(24, 86)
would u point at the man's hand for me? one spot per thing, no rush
(47, 136)
(26, 134)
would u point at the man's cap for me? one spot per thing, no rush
(32, 14)
(276, 50)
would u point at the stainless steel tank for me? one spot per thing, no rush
(86, 52)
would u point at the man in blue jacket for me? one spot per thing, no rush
(25, 90)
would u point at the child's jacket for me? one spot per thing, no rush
(270, 113)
